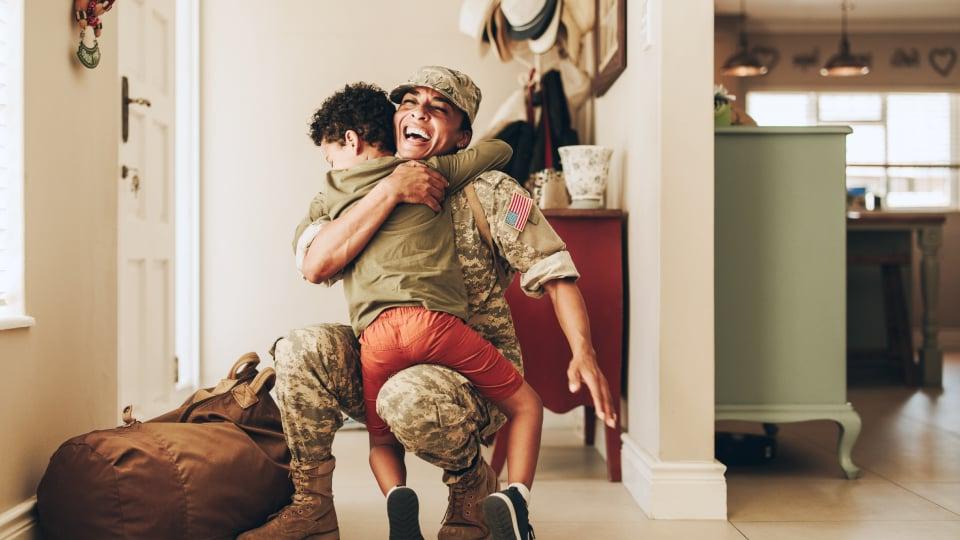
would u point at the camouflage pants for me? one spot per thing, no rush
(433, 411)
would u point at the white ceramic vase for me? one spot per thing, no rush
(585, 169)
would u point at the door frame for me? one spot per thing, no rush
(186, 217)
(187, 196)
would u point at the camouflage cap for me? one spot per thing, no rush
(454, 85)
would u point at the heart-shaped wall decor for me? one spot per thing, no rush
(943, 60)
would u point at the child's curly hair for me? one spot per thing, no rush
(362, 107)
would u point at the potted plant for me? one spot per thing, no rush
(721, 105)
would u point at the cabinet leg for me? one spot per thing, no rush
(849, 431)
(589, 425)
(612, 438)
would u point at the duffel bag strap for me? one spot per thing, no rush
(247, 394)
(251, 359)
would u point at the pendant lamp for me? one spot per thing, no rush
(844, 63)
(743, 63)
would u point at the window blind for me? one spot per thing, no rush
(904, 146)
(11, 158)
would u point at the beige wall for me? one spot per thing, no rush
(882, 77)
(60, 376)
(657, 119)
(263, 74)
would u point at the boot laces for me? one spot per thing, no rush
(457, 503)
(300, 482)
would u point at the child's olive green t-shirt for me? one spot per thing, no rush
(411, 260)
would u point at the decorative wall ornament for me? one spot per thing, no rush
(87, 14)
(905, 58)
(768, 56)
(805, 61)
(943, 60)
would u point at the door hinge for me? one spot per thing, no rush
(176, 369)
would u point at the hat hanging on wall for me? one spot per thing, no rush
(528, 19)
(497, 27)
(548, 39)
(535, 20)
(87, 14)
(475, 18)
(533, 24)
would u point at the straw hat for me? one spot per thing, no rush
(474, 15)
(528, 18)
(497, 29)
(548, 39)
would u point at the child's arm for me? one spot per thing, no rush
(316, 212)
(465, 165)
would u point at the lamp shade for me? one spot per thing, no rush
(743, 63)
(844, 63)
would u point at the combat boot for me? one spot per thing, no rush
(464, 517)
(310, 515)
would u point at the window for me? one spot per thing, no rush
(904, 146)
(11, 166)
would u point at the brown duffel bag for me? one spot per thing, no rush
(213, 468)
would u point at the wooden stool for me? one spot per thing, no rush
(896, 312)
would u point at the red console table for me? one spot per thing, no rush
(595, 241)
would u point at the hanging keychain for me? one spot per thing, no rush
(87, 14)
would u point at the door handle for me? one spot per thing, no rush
(125, 102)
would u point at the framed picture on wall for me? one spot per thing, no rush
(610, 34)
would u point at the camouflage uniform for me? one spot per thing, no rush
(433, 411)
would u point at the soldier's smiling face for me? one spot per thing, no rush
(428, 124)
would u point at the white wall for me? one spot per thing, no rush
(264, 72)
(658, 119)
(60, 376)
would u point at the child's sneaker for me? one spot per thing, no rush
(403, 512)
(506, 515)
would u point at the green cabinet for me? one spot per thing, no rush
(780, 275)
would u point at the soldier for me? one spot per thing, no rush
(433, 411)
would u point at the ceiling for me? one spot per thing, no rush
(867, 15)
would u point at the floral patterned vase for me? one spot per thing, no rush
(585, 169)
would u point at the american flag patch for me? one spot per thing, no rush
(518, 211)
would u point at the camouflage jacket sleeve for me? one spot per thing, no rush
(307, 230)
(536, 252)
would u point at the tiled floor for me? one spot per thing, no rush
(909, 451)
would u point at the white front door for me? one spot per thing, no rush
(146, 231)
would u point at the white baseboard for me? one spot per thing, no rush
(674, 490)
(949, 338)
(19, 522)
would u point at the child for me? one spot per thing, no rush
(407, 298)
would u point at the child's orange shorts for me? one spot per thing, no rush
(405, 336)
